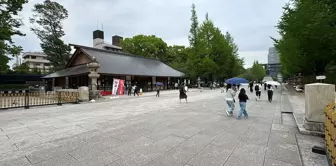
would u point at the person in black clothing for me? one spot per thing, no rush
(136, 90)
(251, 87)
(129, 90)
(242, 102)
(183, 94)
(270, 92)
(265, 86)
(258, 92)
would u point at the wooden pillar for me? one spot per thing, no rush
(53, 83)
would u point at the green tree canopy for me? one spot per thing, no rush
(9, 24)
(147, 46)
(23, 69)
(47, 23)
(257, 71)
(308, 36)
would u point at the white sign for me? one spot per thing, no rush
(115, 86)
(321, 77)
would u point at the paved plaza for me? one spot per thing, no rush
(153, 131)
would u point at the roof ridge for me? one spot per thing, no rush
(115, 52)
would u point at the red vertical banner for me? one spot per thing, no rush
(121, 87)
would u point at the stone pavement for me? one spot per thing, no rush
(154, 131)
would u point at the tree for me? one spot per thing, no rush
(9, 25)
(218, 48)
(22, 69)
(257, 71)
(147, 46)
(47, 18)
(193, 29)
(308, 37)
(177, 57)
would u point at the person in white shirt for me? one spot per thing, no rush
(257, 91)
(229, 97)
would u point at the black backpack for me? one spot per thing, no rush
(256, 88)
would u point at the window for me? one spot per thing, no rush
(33, 57)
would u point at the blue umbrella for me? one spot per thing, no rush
(159, 83)
(236, 80)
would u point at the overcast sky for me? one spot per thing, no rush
(250, 22)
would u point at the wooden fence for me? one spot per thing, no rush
(27, 99)
(330, 132)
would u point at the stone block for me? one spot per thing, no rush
(83, 93)
(317, 96)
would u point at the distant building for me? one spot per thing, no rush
(273, 62)
(37, 61)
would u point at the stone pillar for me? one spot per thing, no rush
(66, 82)
(199, 82)
(93, 76)
(317, 96)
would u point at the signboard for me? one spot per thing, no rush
(321, 77)
(121, 87)
(115, 86)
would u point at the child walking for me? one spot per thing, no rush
(242, 102)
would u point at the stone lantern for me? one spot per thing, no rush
(199, 82)
(93, 76)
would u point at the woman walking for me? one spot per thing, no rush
(183, 94)
(242, 102)
(157, 91)
(251, 86)
(257, 91)
(270, 92)
(230, 100)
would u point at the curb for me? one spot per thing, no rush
(299, 125)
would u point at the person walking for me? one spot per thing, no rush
(129, 90)
(257, 91)
(157, 91)
(229, 97)
(242, 103)
(265, 86)
(222, 88)
(183, 94)
(136, 90)
(251, 87)
(270, 92)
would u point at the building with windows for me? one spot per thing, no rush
(273, 62)
(37, 61)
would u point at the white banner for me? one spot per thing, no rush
(115, 86)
